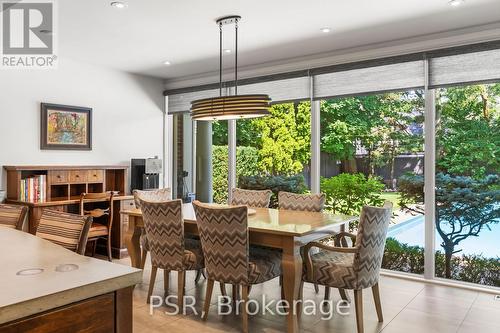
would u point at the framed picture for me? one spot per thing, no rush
(65, 127)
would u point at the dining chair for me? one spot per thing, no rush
(12, 216)
(228, 257)
(250, 198)
(101, 229)
(355, 268)
(68, 230)
(170, 250)
(302, 202)
(158, 195)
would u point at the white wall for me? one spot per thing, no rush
(127, 114)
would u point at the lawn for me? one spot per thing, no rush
(392, 197)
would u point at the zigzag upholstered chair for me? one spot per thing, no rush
(160, 195)
(170, 251)
(224, 239)
(68, 230)
(302, 202)
(356, 267)
(12, 216)
(251, 198)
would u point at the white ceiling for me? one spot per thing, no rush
(141, 37)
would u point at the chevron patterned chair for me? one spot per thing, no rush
(251, 198)
(356, 267)
(159, 195)
(170, 250)
(12, 216)
(302, 202)
(224, 240)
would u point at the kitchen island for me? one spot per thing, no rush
(46, 288)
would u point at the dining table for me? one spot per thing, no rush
(287, 230)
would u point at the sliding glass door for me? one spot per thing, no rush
(467, 183)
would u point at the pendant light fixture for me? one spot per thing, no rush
(235, 106)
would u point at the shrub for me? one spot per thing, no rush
(468, 268)
(294, 184)
(246, 164)
(348, 193)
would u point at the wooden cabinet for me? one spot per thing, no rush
(78, 176)
(95, 176)
(58, 176)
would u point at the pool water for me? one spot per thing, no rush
(411, 232)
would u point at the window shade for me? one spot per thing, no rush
(405, 75)
(464, 68)
(182, 102)
(281, 90)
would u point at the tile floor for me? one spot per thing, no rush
(408, 307)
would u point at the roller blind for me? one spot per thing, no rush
(182, 102)
(279, 90)
(464, 68)
(393, 77)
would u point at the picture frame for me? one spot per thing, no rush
(65, 127)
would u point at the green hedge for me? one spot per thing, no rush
(294, 184)
(468, 268)
(246, 164)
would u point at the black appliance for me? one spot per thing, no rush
(145, 173)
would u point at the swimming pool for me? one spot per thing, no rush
(411, 232)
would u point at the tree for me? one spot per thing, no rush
(464, 207)
(468, 130)
(284, 139)
(384, 125)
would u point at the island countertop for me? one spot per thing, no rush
(57, 285)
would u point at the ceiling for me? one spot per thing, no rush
(141, 37)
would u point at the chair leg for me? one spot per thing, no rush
(203, 273)
(166, 281)
(327, 293)
(244, 313)
(344, 295)
(235, 293)
(144, 255)
(198, 276)
(181, 281)
(223, 289)
(151, 283)
(94, 247)
(316, 288)
(358, 302)
(208, 298)
(110, 254)
(378, 305)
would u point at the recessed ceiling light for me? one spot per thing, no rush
(119, 4)
(167, 63)
(227, 50)
(325, 30)
(455, 3)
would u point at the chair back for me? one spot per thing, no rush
(165, 233)
(68, 230)
(163, 194)
(251, 198)
(98, 212)
(224, 241)
(12, 216)
(303, 202)
(370, 239)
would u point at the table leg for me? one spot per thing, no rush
(132, 241)
(292, 275)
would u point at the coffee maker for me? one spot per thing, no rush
(145, 173)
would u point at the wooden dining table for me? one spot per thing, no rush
(276, 228)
